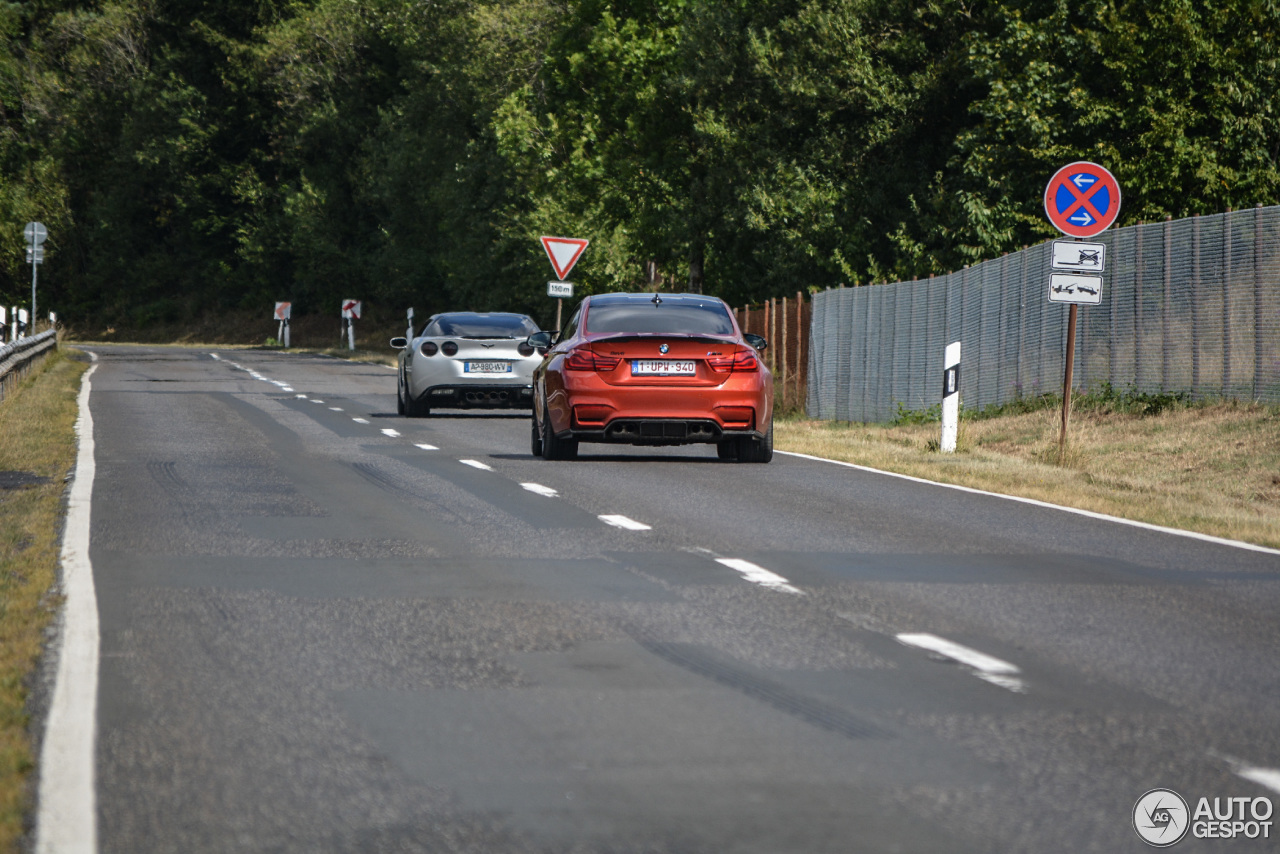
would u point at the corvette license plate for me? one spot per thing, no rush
(487, 368)
(662, 368)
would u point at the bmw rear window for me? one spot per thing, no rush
(678, 316)
(481, 326)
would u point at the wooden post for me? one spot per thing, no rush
(1066, 382)
(784, 352)
(800, 362)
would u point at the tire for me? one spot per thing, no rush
(757, 450)
(536, 441)
(416, 409)
(727, 450)
(554, 448)
(400, 395)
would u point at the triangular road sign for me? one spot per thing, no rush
(564, 253)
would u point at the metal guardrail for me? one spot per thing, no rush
(1190, 306)
(16, 358)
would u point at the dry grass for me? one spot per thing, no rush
(1213, 469)
(36, 436)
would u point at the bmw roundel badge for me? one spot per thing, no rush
(663, 349)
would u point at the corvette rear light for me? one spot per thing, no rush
(449, 348)
(744, 361)
(429, 348)
(585, 359)
(524, 349)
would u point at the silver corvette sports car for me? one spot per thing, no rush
(465, 360)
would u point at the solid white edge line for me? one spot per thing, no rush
(758, 574)
(1208, 538)
(540, 489)
(1266, 777)
(625, 523)
(476, 464)
(980, 661)
(66, 819)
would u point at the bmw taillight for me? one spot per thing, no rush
(742, 362)
(449, 348)
(586, 359)
(429, 348)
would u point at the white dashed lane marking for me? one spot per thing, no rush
(1266, 777)
(759, 575)
(985, 667)
(540, 489)
(476, 464)
(624, 522)
(336, 409)
(394, 434)
(360, 420)
(427, 447)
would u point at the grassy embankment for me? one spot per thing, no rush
(36, 438)
(1212, 468)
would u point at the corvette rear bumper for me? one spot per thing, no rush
(472, 396)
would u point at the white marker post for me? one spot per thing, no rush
(283, 313)
(409, 332)
(950, 398)
(4, 323)
(350, 314)
(23, 329)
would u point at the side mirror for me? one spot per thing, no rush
(399, 343)
(755, 341)
(540, 341)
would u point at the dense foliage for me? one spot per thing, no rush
(222, 154)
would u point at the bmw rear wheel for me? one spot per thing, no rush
(536, 440)
(554, 448)
(757, 450)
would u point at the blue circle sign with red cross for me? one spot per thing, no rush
(1082, 199)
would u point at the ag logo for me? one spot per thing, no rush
(1161, 817)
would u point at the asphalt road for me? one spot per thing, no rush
(326, 627)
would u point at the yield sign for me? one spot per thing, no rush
(564, 253)
(1082, 199)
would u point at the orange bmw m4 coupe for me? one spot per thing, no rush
(652, 369)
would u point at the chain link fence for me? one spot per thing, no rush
(1191, 306)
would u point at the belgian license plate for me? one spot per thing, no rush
(488, 368)
(662, 368)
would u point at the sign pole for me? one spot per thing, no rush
(34, 267)
(559, 305)
(1066, 381)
